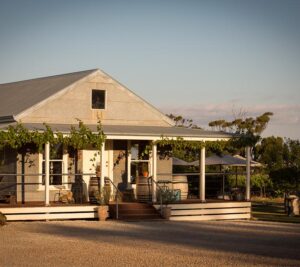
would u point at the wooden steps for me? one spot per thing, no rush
(134, 211)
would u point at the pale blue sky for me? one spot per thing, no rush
(202, 59)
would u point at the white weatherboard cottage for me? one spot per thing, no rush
(129, 123)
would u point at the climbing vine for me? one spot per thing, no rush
(170, 146)
(180, 144)
(18, 136)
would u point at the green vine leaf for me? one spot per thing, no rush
(18, 137)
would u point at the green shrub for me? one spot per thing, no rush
(167, 196)
(103, 197)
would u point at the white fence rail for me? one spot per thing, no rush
(210, 211)
(50, 213)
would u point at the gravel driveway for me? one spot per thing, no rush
(92, 243)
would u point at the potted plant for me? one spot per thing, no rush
(168, 197)
(2, 219)
(103, 197)
(145, 173)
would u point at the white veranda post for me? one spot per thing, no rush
(128, 163)
(154, 171)
(202, 175)
(248, 174)
(47, 173)
(102, 159)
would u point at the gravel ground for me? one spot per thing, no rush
(156, 243)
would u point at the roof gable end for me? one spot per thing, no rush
(21, 97)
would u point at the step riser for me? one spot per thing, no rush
(139, 218)
(141, 212)
(129, 207)
(134, 211)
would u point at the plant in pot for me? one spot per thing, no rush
(145, 173)
(2, 219)
(167, 196)
(103, 197)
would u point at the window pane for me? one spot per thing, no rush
(138, 150)
(98, 99)
(55, 172)
(138, 169)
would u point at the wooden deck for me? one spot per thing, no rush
(194, 210)
(185, 210)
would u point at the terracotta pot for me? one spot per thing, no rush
(145, 173)
(102, 213)
(166, 212)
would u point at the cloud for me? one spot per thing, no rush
(285, 122)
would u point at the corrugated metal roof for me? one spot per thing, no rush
(181, 162)
(227, 160)
(17, 97)
(125, 130)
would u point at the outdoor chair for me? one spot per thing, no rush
(64, 196)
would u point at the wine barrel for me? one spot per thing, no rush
(94, 186)
(143, 189)
(180, 183)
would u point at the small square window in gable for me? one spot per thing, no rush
(98, 99)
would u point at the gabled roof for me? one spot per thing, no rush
(17, 97)
(20, 98)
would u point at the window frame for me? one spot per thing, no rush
(64, 177)
(105, 99)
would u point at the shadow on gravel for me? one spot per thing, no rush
(274, 241)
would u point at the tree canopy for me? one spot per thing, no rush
(247, 130)
(180, 121)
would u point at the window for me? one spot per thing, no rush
(139, 164)
(58, 166)
(98, 99)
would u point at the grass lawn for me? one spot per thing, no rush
(271, 210)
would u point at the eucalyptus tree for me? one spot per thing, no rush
(247, 131)
(180, 121)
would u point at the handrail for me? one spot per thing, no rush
(117, 193)
(161, 192)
